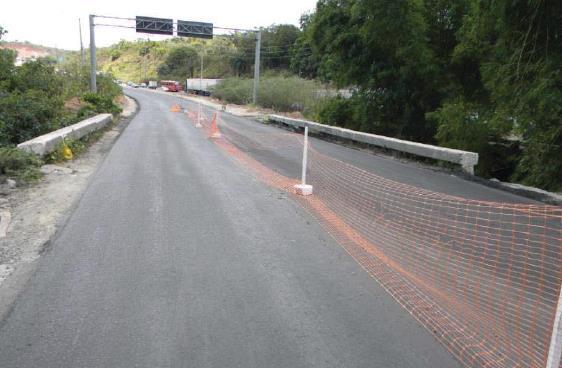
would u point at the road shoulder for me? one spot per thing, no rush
(38, 212)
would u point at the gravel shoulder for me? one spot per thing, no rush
(33, 215)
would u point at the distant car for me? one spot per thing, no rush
(143, 85)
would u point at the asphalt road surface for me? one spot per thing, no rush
(177, 257)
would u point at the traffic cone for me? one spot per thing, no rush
(215, 132)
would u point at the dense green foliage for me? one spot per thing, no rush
(34, 100)
(481, 75)
(179, 63)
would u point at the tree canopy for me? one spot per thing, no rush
(481, 75)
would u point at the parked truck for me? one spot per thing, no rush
(152, 84)
(200, 86)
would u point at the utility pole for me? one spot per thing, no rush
(201, 77)
(81, 44)
(257, 67)
(93, 83)
(200, 112)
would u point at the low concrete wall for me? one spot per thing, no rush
(466, 159)
(47, 143)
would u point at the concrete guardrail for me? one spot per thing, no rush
(466, 159)
(47, 143)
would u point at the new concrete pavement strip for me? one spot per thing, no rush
(175, 256)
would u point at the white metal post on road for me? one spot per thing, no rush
(555, 351)
(93, 83)
(303, 188)
(304, 156)
(257, 68)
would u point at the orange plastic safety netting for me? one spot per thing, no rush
(482, 277)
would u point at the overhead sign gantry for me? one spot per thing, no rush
(167, 26)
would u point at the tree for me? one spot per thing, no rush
(179, 63)
(511, 53)
(380, 47)
(277, 43)
(276, 49)
(304, 60)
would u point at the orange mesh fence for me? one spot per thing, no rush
(482, 277)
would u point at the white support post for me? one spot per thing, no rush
(199, 117)
(257, 68)
(304, 156)
(555, 351)
(303, 188)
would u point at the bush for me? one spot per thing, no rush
(276, 92)
(234, 90)
(101, 103)
(28, 114)
(466, 126)
(541, 162)
(106, 87)
(337, 111)
(290, 94)
(19, 164)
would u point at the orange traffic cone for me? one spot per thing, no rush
(215, 132)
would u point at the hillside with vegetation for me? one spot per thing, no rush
(178, 58)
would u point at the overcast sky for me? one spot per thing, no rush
(55, 22)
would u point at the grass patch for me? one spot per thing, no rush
(19, 165)
(280, 93)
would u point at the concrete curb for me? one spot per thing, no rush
(466, 159)
(518, 189)
(47, 143)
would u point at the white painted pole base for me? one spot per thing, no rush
(199, 117)
(303, 189)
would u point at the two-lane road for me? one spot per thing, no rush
(177, 257)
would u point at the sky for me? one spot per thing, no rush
(54, 23)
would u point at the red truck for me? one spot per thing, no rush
(170, 85)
